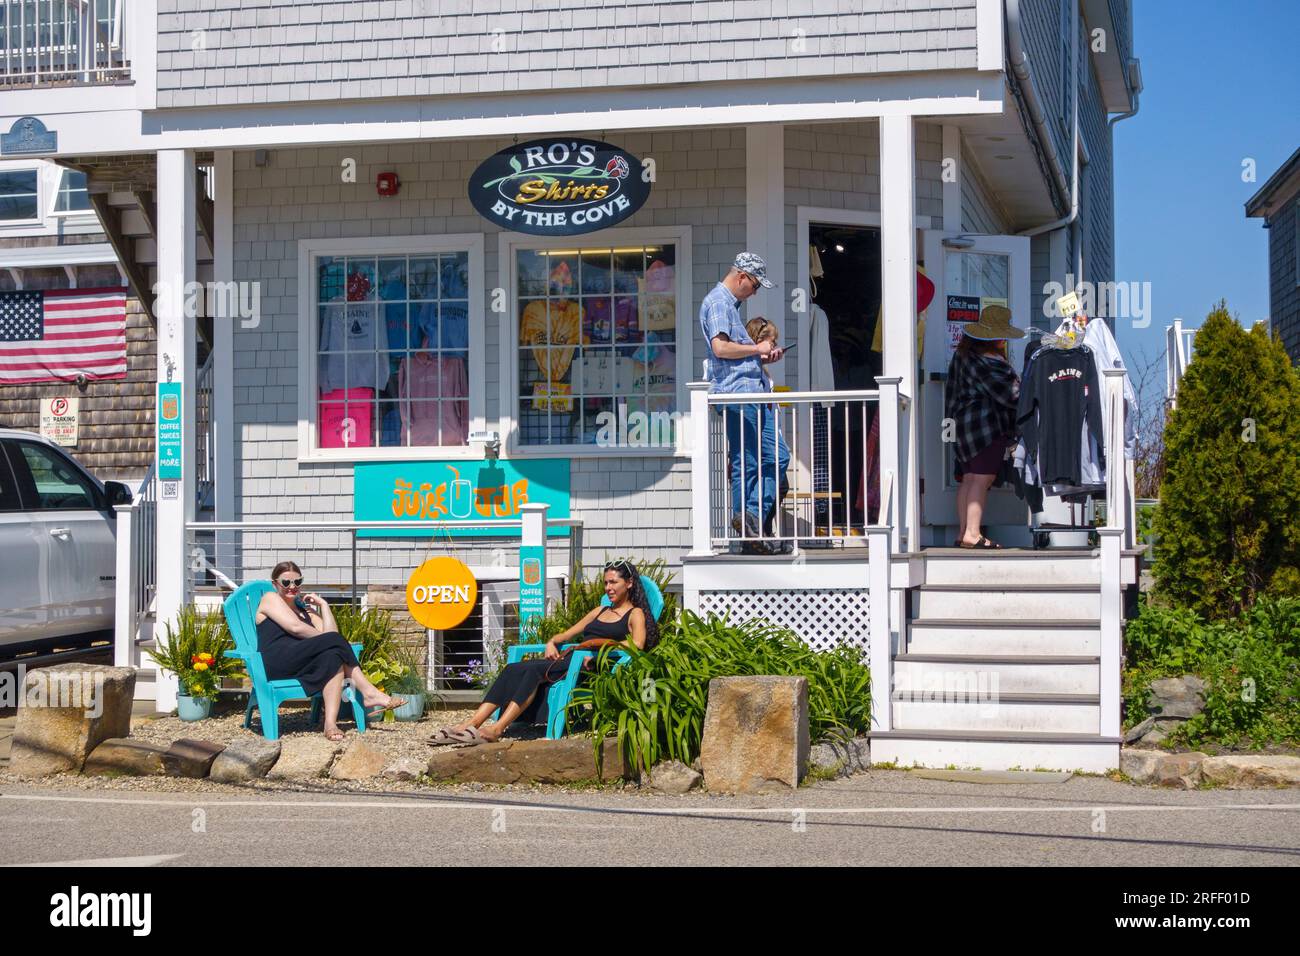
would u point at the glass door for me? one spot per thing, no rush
(970, 273)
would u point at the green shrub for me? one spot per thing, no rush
(655, 703)
(381, 654)
(198, 633)
(1228, 526)
(1251, 666)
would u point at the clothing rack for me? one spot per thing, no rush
(1068, 335)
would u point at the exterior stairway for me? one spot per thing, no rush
(1000, 664)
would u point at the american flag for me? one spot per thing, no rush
(54, 335)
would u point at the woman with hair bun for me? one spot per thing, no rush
(299, 640)
(521, 689)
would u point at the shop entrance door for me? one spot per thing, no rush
(969, 272)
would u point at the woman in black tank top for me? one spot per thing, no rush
(521, 689)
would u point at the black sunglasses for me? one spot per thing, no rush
(291, 582)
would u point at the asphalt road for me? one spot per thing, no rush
(880, 818)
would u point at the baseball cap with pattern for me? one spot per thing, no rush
(753, 265)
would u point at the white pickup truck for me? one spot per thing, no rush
(57, 543)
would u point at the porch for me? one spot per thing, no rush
(990, 659)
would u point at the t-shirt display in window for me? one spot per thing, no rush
(348, 339)
(435, 400)
(346, 418)
(562, 329)
(658, 304)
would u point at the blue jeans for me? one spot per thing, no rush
(747, 427)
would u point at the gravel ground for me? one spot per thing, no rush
(394, 739)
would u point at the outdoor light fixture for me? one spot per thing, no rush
(490, 441)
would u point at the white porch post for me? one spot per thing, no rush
(1113, 537)
(223, 362)
(898, 265)
(701, 493)
(882, 661)
(176, 363)
(124, 610)
(765, 227)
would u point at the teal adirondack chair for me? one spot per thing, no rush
(562, 690)
(268, 695)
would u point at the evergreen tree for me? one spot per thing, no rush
(1229, 516)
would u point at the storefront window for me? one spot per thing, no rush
(597, 330)
(393, 350)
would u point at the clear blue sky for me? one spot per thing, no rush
(1222, 85)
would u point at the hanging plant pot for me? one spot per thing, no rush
(192, 708)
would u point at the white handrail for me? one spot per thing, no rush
(64, 44)
(504, 524)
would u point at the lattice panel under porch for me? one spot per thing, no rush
(822, 618)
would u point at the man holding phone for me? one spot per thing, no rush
(757, 455)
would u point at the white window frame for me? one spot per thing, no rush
(52, 213)
(508, 244)
(40, 197)
(309, 338)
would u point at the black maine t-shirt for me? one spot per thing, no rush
(1059, 393)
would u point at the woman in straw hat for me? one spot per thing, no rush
(980, 398)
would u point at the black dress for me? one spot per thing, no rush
(312, 661)
(518, 681)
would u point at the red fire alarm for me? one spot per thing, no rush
(387, 184)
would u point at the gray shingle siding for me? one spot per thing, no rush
(1283, 283)
(296, 52)
(640, 505)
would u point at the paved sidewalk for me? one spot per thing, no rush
(883, 817)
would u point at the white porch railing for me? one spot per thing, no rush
(833, 460)
(1178, 353)
(59, 42)
(137, 566)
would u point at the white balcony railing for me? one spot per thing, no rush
(1178, 353)
(826, 494)
(63, 42)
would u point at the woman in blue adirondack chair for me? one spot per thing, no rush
(299, 640)
(520, 691)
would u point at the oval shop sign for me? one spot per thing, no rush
(558, 187)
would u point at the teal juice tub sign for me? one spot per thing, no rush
(532, 583)
(424, 491)
(169, 431)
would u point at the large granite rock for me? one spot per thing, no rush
(308, 756)
(755, 734)
(358, 762)
(125, 757)
(671, 776)
(1181, 697)
(1162, 769)
(244, 761)
(568, 760)
(1242, 771)
(190, 758)
(65, 712)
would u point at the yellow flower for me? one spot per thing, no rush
(200, 666)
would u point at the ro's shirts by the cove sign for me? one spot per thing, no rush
(559, 187)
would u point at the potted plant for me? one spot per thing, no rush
(194, 651)
(408, 683)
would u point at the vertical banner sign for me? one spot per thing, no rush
(532, 584)
(169, 431)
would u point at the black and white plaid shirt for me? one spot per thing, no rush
(980, 397)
